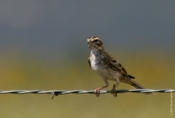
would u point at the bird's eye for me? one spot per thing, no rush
(95, 41)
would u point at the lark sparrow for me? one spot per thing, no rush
(107, 67)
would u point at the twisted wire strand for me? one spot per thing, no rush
(64, 92)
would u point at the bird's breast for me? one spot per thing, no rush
(97, 62)
(100, 68)
(94, 62)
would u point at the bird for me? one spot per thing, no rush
(107, 67)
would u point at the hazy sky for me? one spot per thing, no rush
(48, 26)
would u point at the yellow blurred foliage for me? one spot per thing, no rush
(21, 73)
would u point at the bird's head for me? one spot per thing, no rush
(95, 42)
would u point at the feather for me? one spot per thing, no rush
(89, 62)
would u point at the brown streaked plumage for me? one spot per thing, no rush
(106, 66)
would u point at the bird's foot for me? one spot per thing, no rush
(113, 91)
(97, 91)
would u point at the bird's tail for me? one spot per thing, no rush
(134, 84)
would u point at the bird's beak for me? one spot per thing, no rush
(88, 42)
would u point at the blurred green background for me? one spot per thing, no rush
(43, 46)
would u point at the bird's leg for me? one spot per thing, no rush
(97, 91)
(113, 91)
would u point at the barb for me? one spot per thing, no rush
(64, 92)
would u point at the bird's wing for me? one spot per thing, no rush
(116, 66)
(89, 62)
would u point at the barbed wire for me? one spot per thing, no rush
(64, 92)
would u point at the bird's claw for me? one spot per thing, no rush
(97, 92)
(113, 91)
